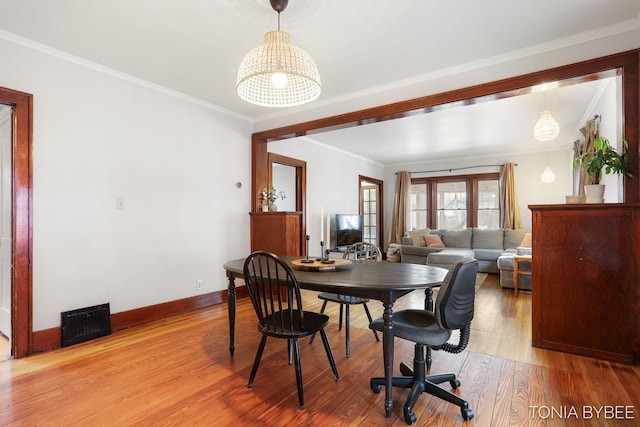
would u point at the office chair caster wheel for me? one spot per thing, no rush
(467, 414)
(455, 384)
(409, 417)
(376, 388)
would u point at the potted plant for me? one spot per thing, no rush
(271, 196)
(604, 159)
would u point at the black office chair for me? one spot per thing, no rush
(357, 251)
(453, 311)
(275, 294)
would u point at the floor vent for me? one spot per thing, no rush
(85, 324)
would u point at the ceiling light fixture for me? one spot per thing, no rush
(547, 128)
(548, 176)
(278, 74)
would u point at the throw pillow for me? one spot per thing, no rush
(416, 236)
(433, 241)
(526, 241)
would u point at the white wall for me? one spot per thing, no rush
(332, 181)
(611, 129)
(175, 163)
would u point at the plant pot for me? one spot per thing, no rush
(594, 193)
(574, 199)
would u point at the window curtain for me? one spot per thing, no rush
(509, 207)
(401, 218)
(589, 133)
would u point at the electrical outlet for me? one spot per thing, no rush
(198, 285)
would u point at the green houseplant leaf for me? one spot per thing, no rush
(604, 160)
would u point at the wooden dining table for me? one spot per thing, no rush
(382, 281)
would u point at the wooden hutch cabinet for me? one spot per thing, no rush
(277, 232)
(585, 290)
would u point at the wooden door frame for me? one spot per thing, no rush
(379, 206)
(21, 227)
(301, 189)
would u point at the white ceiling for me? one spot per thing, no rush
(491, 128)
(362, 48)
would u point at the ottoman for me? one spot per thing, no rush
(447, 257)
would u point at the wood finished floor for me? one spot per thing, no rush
(179, 372)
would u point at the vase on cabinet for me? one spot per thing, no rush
(273, 207)
(594, 193)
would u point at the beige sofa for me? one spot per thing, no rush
(485, 245)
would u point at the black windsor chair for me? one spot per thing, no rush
(275, 294)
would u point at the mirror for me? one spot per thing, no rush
(283, 178)
(289, 175)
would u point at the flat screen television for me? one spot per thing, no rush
(348, 230)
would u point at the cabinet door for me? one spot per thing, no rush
(583, 292)
(277, 232)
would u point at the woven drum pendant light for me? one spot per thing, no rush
(278, 74)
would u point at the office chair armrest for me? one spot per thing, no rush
(465, 333)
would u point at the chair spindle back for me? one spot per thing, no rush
(363, 251)
(274, 292)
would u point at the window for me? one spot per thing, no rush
(451, 205)
(419, 205)
(488, 204)
(455, 202)
(369, 205)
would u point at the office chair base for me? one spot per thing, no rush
(426, 386)
(416, 380)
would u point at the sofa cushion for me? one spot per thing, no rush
(488, 254)
(433, 241)
(417, 236)
(505, 262)
(422, 251)
(448, 257)
(513, 238)
(457, 238)
(488, 239)
(521, 250)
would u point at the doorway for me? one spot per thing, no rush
(371, 210)
(18, 106)
(6, 132)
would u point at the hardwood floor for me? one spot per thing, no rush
(179, 372)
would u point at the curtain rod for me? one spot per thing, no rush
(455, 169)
